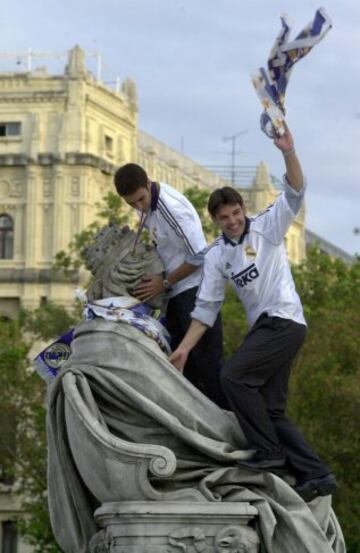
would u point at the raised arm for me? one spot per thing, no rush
(294, 172)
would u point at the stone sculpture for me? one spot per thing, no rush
(140, 461)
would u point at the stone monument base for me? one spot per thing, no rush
(166, 527)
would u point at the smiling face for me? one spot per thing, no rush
(231, 219)
(140, 199)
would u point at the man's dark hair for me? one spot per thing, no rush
(223, 196)
(129, 178)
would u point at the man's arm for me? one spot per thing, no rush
(195, 331)
(294, 172)
(153, 285)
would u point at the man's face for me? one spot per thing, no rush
(140, 199)
(230, 218)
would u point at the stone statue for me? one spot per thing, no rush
(139, 460)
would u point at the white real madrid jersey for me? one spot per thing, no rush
(257, 267)
(175, 227)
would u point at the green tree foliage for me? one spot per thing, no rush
(13, 354)
(325, 388)
(22, 435)
(49, 320)
(199, 198)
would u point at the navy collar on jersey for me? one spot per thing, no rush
(154, 196)
(228, 240)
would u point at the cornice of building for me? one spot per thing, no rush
(49, 159)
(39, 276)
(32, 97)
(312, 239)
(165, 154)
(108, 109)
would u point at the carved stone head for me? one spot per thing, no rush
(117, 265)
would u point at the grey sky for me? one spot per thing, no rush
(192, 59)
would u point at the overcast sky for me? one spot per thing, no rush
(192, 60)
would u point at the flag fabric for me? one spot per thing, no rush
(271, 84)
(48, 362)
(130, 311)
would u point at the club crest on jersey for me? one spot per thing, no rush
(250, 252)
(246, 276)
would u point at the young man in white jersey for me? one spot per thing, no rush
(175, 228)
(251, 255)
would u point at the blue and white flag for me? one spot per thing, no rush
(271, 84)
(122, 309)
(129, 310)
(48, 362)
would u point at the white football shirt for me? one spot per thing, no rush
(257, 267)
(175, 227)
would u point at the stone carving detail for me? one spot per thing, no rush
(129, 89)
(47, 189)
(4, 189)
(76, 65)
(231, 539)
(196, 536)
(120, 149)
(16, 190)
(75, 186)
(120, 277)
(236, 539)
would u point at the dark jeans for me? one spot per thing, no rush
(255, 381)
(206, 359)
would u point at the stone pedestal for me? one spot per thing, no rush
(170, 527)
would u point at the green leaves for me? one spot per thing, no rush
(50, 320)
(22, 419)
(199, 198)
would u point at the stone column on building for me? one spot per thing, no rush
(262, 189)
(32, 236)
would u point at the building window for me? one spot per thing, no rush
(10, 129)
(6, 237)
(9, 537)
(109, 145)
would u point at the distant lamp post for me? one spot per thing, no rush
(233, 138)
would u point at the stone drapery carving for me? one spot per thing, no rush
(137, 452)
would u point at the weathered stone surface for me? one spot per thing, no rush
(131, 439)
(166, 527)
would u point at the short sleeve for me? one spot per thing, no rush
(294, 197)
(213, 280)
(274, 221)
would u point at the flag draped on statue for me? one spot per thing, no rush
(271, 84)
